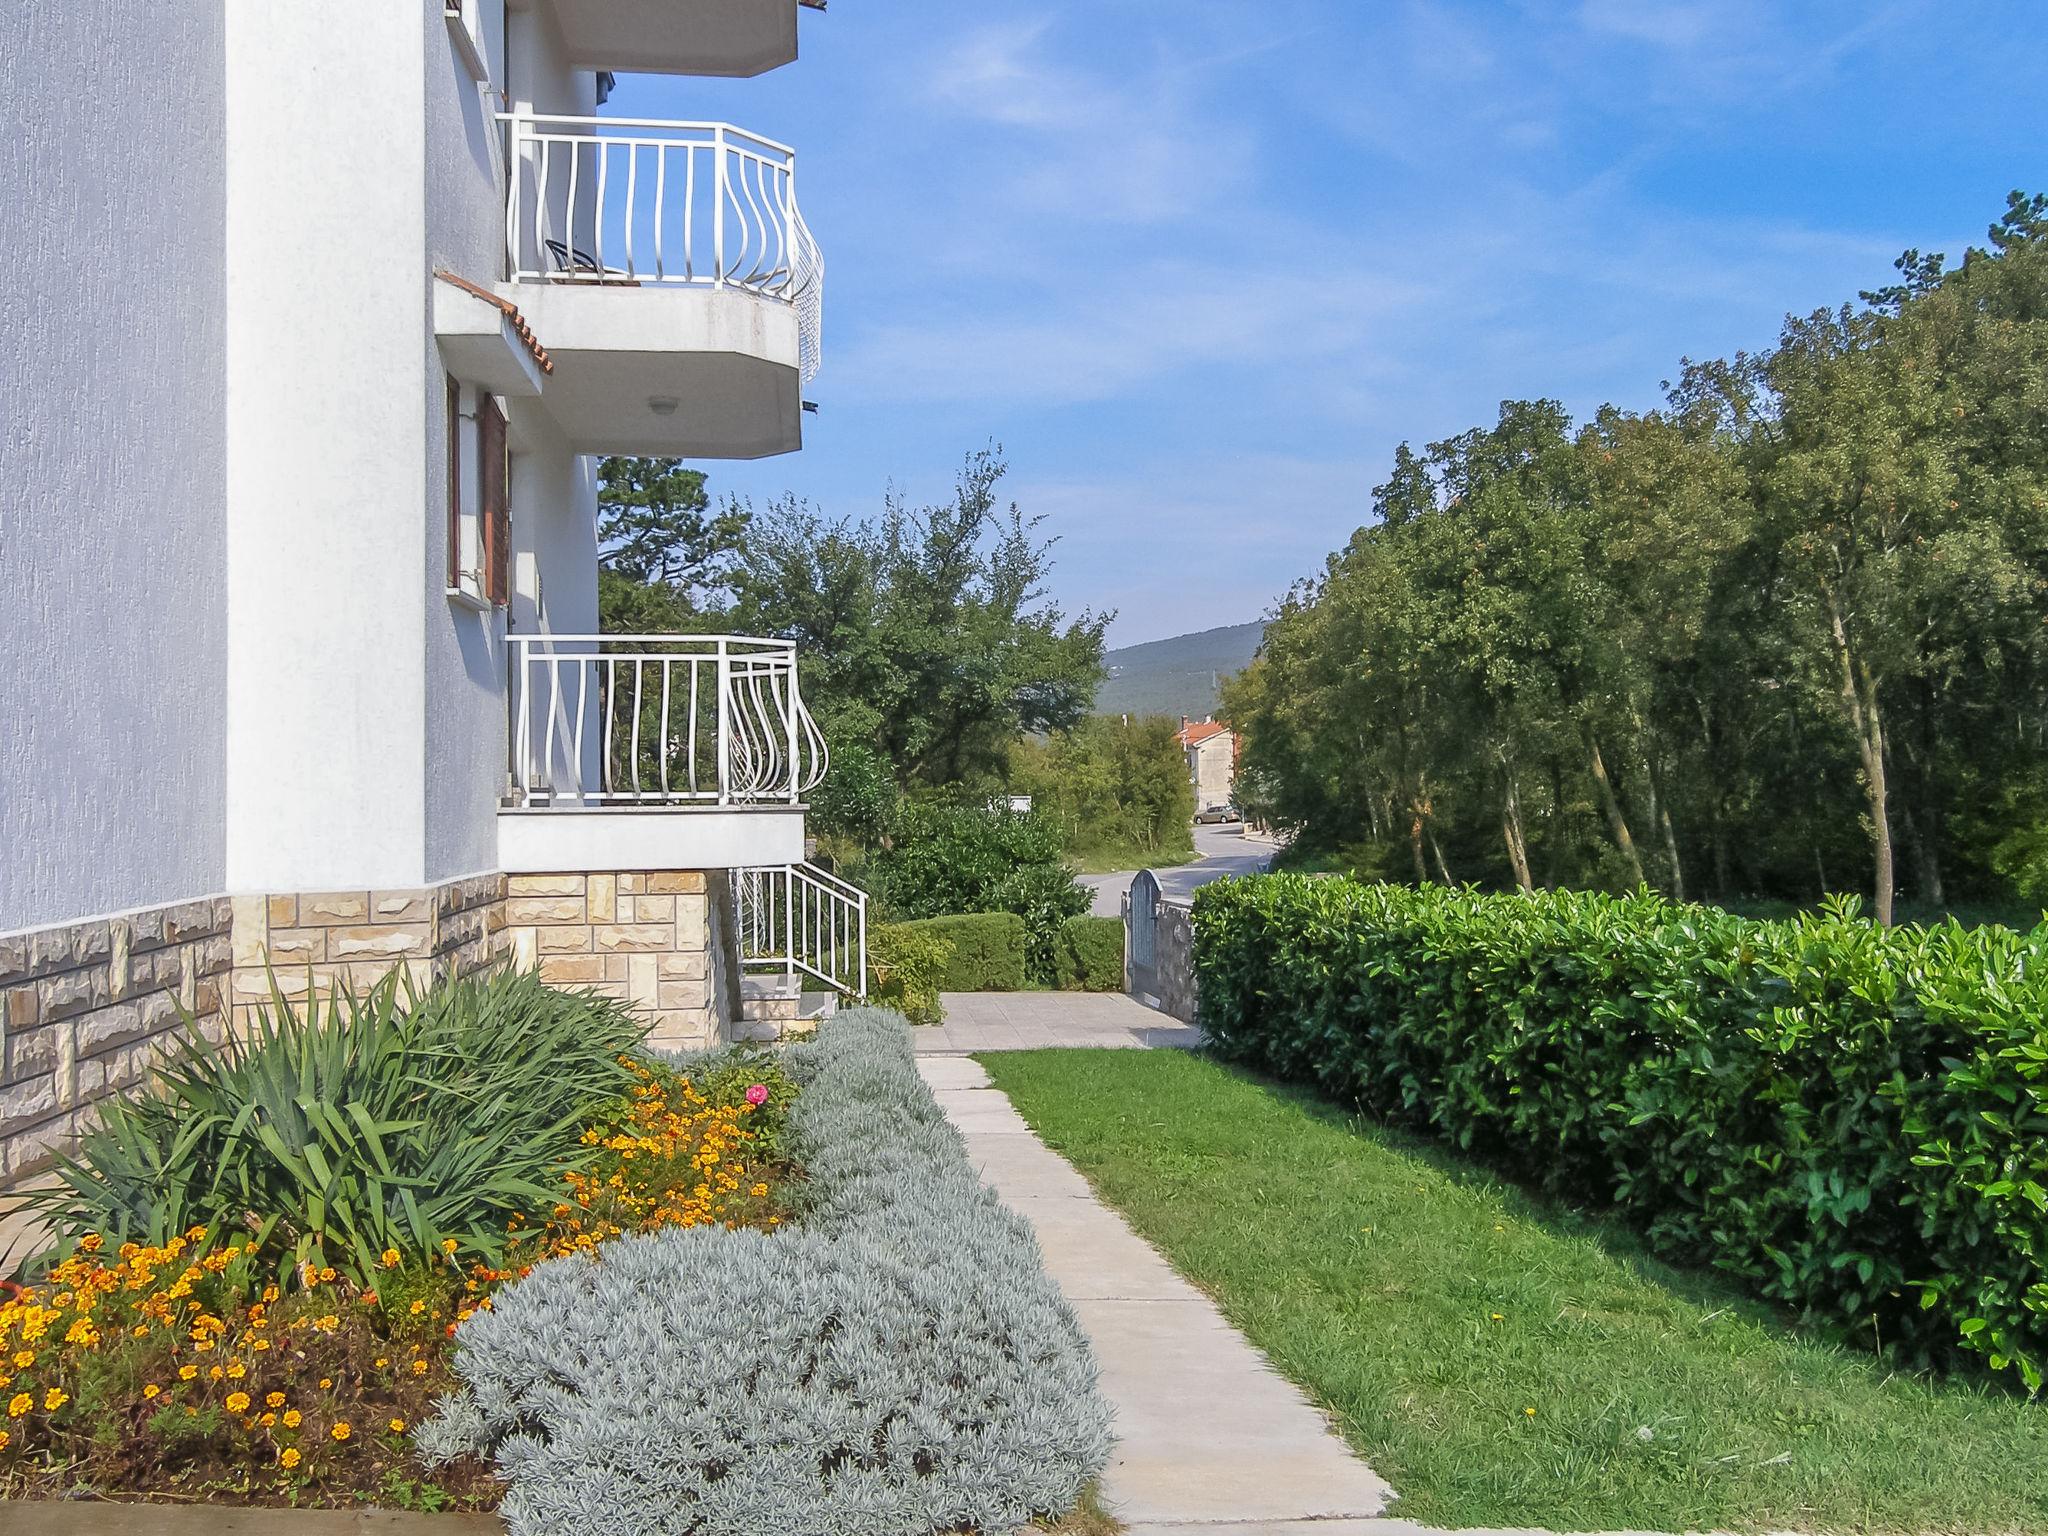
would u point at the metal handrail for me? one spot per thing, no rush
(800, 918)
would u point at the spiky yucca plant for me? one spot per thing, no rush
(397, 1118)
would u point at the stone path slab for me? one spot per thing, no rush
(1035, 1021)
(1208, 1433)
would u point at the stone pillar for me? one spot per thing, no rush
(643, 937)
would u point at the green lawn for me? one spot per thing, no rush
(1500, 1361)
(1115, 858)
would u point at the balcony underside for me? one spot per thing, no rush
(552, 841)
(679, 37)
(724, 362)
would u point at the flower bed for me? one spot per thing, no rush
(896, 1360)
(234, 1361)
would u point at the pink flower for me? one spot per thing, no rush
(758, 1095)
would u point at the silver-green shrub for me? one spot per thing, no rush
(896, 1362)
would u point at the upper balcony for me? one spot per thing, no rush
(681, 37)
(669, 271)
(656, 752)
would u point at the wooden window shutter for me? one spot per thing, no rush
(494, 510)
(454, 484)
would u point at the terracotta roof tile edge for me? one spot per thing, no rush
(511, 312)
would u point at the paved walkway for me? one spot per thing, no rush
(1031, 1021)
(1208, 1434)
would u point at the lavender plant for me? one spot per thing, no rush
(895, 1362)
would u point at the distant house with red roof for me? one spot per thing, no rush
(1211, 750)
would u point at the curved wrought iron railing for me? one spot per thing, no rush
(632, 201)
(660, 720)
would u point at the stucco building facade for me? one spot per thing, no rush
(314, 327)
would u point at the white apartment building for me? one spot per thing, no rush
(313, 318)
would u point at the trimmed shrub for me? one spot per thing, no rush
(1089, 956)
(1853, 1120)
(944, 860)
(398, 1118)
(906, 968)
(989, 950)
(897, 1362)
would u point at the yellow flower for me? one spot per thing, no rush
(24, 1358)
(382, 1362)
(237, 1401)
(447, 1245)
(419, 1367)
(187, 1372)
(237, 1370)
(214, 1373)
(54, 1399)
(5, 1436)
(418, 1307)
(340, 1430)
(151, 1390)
(1497, 1317)
(288, 1457)
(19, 1404)
(267, 1420)
(1529, 1412)
(273, 1399)
(398, 1426)
(259, 1345)
(759, 1191)
(291, 1418)
(327, 1276)
(326, 1382)
(390, 1258)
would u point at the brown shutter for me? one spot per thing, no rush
(494, 501)
(454, 484)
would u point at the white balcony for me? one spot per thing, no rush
(670, 274)
(656, 752)
(680, 37)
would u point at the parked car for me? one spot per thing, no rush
(1217, 815)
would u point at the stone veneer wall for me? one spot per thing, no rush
(83, 1007)
(641, 936)
(358, 937)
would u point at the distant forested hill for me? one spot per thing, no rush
(1177, 676)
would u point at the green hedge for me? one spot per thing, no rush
(989, 950)
(1853, 1120)
(1088, 954)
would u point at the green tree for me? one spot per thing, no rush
(927, 635)
(660, 544)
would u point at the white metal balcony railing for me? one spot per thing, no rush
(621, 720)
(627, 201)
(798, 918)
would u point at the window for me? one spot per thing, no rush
(479, 500)
(495, 492)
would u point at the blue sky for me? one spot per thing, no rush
(1200, 265)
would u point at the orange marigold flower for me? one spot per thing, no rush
(237, 1401)
(288, 1457)
(292, 1418)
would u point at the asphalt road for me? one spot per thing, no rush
(1219, 851)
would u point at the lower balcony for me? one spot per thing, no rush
(669, 272)
(656, 752)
